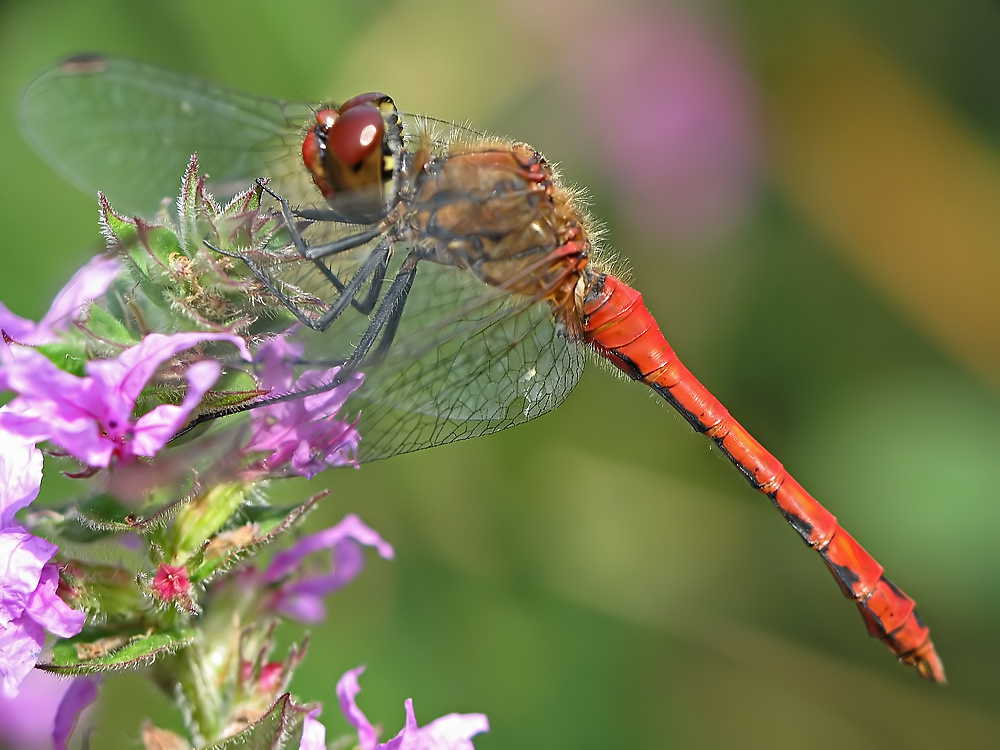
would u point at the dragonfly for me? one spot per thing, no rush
(495, 289)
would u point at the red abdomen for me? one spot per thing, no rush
(620, 328)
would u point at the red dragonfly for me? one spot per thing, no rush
(497, 288)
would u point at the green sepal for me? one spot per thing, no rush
(104, 515)
(202, 517)
(278, 729)
(97, 650)
(69, 356)
(106, 327)
(267, 524)
(117, 228)
(105, 590)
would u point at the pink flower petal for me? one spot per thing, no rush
(301, 596)
(20, 644)
(51, 612)
(87, 284)
(22, 557)
(303, 434)
(82, 692)
(20, 474)
(28, 605)
(451, 732)
(154, 429)
(454, 731)
(313, 733)
(347, 690)
(91, 417)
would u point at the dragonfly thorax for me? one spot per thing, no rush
(497, 210)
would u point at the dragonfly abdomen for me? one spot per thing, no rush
(620, 328)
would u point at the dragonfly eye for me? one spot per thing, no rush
(314, 146)
(346, 153)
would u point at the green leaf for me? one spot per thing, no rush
(279, 729)
(83, 522)
(97, 650)
(104, 326)
(67, 356)
(104, 515)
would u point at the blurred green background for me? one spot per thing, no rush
(808, 196)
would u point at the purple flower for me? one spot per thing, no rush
(91, 417)
(20, 474)
(673, 109)
(304, 432)
(87, 284)
(29, 605)
(313, 732)
(28, 602)
(82, 692)
(44, 711)
(299, 594)
(451, 732)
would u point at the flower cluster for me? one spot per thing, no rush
(156, 336)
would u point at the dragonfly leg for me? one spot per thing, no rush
(387, 316)
(320, 214)
(315, 252)
(266, 281)
(372, 269)
(384, 322)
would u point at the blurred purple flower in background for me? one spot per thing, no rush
(313, 732)
(44, 713)
(82, 692)
(300, 592)
(662, 102)
(674, 113)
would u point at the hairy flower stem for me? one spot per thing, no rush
(197, 685)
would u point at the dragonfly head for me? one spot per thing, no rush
(352, 152)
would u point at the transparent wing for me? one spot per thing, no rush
(129, 129)
(467, 360)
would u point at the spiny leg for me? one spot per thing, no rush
(316, 253)
(384, 322)
(387, 316)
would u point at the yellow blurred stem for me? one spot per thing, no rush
(904, 189)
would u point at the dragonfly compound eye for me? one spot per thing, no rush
(346, 152)
(314, 146)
